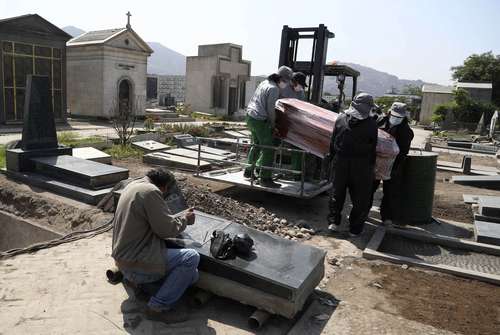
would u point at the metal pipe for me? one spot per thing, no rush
(258, 318)
(199, 158)
(114, 275)
(303, 176)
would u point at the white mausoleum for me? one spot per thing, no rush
(105, 68)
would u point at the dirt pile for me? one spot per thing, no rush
(202, 198)
(19, 200)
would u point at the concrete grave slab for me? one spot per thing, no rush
(235, 134)
(194, 154)
(451, 255)
(150, 146)
(183, 140)
(474, 199)
(92, 154)
(487, 232)
(489, 182)
(178, 162)
(489, 206)
(492, 219)
(80, 172)
(91, 197)
(213, 151)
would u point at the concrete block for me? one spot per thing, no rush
(150, 146)
(489, 206)
(487, 232)
(177, 162)
(92, 154)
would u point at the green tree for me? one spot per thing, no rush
(412, 90)
(484, 67)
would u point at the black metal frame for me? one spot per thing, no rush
(317, 68)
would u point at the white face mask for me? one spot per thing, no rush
(282, 84)
(394, 120)
(298, 88)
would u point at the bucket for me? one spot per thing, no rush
(417, 187)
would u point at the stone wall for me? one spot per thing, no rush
(84, 81)
(175, 86)
(429, 101)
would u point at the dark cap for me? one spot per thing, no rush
(300, 78)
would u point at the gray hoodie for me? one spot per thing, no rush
(142, 222)
(261, 106)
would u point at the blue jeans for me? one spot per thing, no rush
(182, 271)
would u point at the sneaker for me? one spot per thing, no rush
(269, 183)
(166, 316)
(337, 228)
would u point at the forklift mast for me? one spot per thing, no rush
(316, 68)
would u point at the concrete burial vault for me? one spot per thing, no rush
(42, 162)
(278, 277)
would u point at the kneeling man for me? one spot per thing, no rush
(142, 222)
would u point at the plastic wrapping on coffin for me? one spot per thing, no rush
(387, 151)
(305, 125)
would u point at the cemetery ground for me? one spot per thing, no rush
(356, 296)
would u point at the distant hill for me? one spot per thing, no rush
(371, 81)
(73, 31)
(168, 61)
(165, 60)
(162, 61)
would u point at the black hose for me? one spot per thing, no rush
(71, 237)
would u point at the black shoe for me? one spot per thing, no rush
(269, 183)
(168, 317)
(248, 174)
(354, 235)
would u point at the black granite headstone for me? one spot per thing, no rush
(39, 130)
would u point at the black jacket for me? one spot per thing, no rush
(403, 135)
(353, 138)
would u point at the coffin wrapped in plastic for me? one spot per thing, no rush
(310, 128)
(305, 125)
(387, 151)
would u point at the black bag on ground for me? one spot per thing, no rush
(243, 244)
(221, 245)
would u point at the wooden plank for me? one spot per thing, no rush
(486, 277)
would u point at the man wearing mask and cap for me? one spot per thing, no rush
(295, 88)
(396, 124)
(353, 147)
(261, 118)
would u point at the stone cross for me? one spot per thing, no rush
(128, 19)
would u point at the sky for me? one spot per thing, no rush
(412, 39)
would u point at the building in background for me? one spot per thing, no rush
(29, 44)
(216, 80)
(107, 68)
(433, 95)
(477, 91)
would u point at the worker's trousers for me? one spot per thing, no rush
(182, 272)
(262, 134)
(390, 204)
(355, 174)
